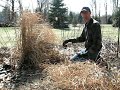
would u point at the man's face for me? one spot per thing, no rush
(86, 15)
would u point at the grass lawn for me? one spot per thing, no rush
(108, 32)
(8, 34)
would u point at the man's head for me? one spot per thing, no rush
(86, 13)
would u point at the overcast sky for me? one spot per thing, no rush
(76, 5)
(73, 5)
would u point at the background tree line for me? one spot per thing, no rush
(57, 14)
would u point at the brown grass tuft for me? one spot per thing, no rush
(79, 76)
(37, 42)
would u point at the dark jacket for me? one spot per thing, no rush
(91, 35)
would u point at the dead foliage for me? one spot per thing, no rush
(80, 76)
(36, 43)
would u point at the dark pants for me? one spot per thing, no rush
(84, 55)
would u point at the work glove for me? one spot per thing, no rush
(65, 43)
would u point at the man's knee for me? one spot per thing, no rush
(94, 56)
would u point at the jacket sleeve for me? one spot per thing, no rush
(79, 39)
(97, 38)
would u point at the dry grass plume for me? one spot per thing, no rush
(37, 42)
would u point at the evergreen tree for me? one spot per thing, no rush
(116, 18)
(75, 22)
(6, 14)
(77, 18)
(57, 13)
(80, 20)
(70, 17)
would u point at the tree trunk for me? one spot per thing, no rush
(20, 6)
(106, 11)
(13, 12)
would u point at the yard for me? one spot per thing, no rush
(64, 75)
(8, 34)
(32, 53)
(108, 32)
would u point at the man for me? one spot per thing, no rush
(91, 35)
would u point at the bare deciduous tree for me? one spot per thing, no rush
(106, 10)
(94, 7)
(41, 4)
(99, 13)
(20, 6)
(13, 11)
(115, 4)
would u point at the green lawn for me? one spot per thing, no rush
(108, 32)
(8, 34)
